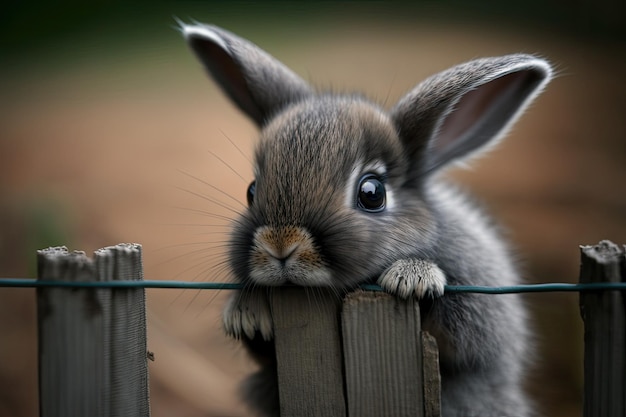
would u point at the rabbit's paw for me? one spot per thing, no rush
(413, 277)
(246, 314)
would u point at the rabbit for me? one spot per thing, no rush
(346, 193)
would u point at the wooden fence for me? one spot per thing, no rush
(365, 356)
(604, 314)
(362, 356)
(92, 341)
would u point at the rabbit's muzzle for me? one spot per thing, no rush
(286, 254)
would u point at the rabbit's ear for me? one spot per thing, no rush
(258, 83)
(462, 110)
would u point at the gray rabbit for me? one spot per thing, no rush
(346, 193)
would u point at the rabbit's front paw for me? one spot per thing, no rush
(413, 277)
(248, 313)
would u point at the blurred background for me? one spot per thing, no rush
(110, 132)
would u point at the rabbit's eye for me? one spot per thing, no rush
(371, 194)
(250, 193)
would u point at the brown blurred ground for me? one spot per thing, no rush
(89, 153)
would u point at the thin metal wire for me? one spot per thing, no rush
(528, 288)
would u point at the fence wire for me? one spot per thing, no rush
(512, 289)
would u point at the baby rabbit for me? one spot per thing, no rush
(346, 192)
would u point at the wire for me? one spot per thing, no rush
(528, 288)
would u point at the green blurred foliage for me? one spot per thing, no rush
(25, 24)
(47, 225)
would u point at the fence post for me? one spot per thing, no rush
(604, 315)
(383, 355)
(92, 342)
(308, 349)
(367, 357)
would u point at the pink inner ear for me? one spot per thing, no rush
(482, 113)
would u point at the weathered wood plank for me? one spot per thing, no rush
(72, 376)
(383, 355)
(126, 328)
(91, 339)
(604, 315)
(431, 375)
(308, 348)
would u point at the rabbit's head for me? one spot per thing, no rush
(340, 184)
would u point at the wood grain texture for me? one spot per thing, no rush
(72, 376)
(126, 329)
(92, 342)
(604, 314)
(308, 348)
(383, 355)
(431, 375)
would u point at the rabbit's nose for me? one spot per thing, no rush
(287, 254)
(282, 254)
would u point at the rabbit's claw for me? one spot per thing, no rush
(246, 314)
(413, 277)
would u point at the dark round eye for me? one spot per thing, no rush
(371, 194)
(250, 193)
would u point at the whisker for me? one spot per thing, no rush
(201, 212)
(207, 198)
(236, 147)
(209, 261)
(213, 187)
(389, 90)
(198, 224)
(213, 232)
(213, 297)
(208, 268)
(227, 165)
(204, 213)
(206, 260)
(184, 255)
(192, 300)
(182, 245)
(221, 269)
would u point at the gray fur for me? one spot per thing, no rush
(304, 226)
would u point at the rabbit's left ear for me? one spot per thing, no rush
(462, 110)
(255, 81)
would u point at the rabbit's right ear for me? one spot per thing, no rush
(457, 113)
(257, 83)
